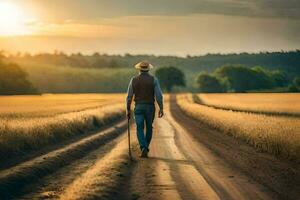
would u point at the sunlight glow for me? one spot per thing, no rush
(12, 20)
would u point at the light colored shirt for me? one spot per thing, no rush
(157, 93)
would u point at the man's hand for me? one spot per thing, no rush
(160, 113)
(128, 114)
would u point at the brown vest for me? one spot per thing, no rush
(143, 88)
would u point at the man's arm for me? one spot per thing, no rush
(129, 98)
(158, 96)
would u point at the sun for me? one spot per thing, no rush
(12, 20)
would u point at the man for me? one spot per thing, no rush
(145, 89)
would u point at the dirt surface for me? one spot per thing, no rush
(188, 160)
(53, 185)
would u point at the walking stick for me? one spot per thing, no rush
(128, 128)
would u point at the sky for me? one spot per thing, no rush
(160, 27)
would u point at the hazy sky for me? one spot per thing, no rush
(173, 27)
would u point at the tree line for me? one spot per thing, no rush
(230, 78)
(238, 78)
(62, 73)
(285, 61)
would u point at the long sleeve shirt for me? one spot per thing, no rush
(157, 93)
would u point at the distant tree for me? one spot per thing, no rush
(209, 83)
(293, 88)
(113, 64)
(297, 82)
(96, 54)
(263, 78)
(170, 77)
(189, 56)
(128, 55)
(13, 80)
(2, 54)
(295, 85)
(279, 78)
(100, 63)
(241, 78)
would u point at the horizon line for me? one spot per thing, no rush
(23, 53)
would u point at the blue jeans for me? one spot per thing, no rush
(144, 115)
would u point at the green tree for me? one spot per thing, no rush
(297, 82)
(279, 78)
(170, 77)
(13, 80)
(263, 78)
(241, 78)
(293, 88)
(209, 83)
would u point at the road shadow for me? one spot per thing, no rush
(168, 160)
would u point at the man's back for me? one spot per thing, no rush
(143, 88)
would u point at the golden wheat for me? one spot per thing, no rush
(269, 102)
(30, 122)
(51, 105)
(276, 135)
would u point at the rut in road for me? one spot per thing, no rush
(70, 161)
(179, 167)
(55, 185)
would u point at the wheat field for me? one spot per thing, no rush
(31, 122)
(277, 135)
(272, 103)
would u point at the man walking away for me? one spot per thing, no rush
(145, 89)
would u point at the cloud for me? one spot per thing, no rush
(68, 28)
(177, 35)
(161, 26)
(94, 9)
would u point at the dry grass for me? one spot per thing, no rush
(272, 103)
(31, 122)
(50, 105)
(277, 135)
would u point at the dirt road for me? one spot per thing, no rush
(187, 160)
(180, 168)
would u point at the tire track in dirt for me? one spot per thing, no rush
(52, 186)
(179, 167)
(167, 173)
(103, 179)
(14, 179)
(226, 182)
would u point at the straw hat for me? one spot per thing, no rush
(143, 66)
